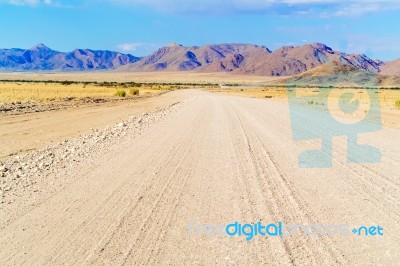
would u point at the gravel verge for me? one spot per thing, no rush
(23, 175)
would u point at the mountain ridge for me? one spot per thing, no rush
(235, 58)
(249, 59)
(42, 58)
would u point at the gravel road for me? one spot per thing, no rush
(127, 193)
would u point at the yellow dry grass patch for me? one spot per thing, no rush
(142, 77)
(387, 97)
(14, 91)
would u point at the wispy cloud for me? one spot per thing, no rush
(28, 2)
(136, 46)
(282, 7)
(371, 46)
(49, 3)
(303, 30)
(129, 47)
(323, 8)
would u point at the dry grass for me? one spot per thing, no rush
(397, 104)
(387, 97)
(142, 77)
(389, 111)
(14, 91)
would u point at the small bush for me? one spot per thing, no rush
(134, 91)
(397, 104)
(120, 93)
(66, 82)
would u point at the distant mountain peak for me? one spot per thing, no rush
(40, 46)
(321, 46)
(174, 44)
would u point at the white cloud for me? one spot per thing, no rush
(129, 47)
(324, 8)
(51, 3)
(29, 2)
(363, 43)
(133, 47)
(284, 7)
(23, 2)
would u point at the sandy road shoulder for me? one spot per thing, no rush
(27, 176)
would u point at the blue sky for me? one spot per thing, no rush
(141, 26)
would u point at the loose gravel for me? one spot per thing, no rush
(25, 171)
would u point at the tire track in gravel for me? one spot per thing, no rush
(362, 178)
(365, 187)
(258, 199)
(156, 223)
(115, 236)
(366, 181)
(277, 190)
(90, 218)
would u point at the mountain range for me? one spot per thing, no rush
(248, 59)
(233, 58)
(42, 58)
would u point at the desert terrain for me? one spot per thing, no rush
(119, 181)
(145, 77)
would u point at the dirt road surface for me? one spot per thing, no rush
(36, 130)
(217, 159)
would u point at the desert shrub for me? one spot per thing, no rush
(66, 82)
(397, 104)
(120, 93)
(134, 91)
